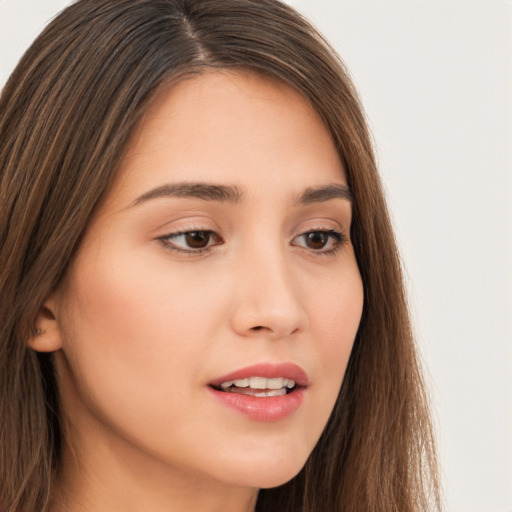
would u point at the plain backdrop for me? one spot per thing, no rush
(435, 77)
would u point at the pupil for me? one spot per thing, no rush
(317, 240)
(197, 239)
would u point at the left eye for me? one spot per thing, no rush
(321, 241)
(191, 241)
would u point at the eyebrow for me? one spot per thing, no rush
(233, 195)
(324, 193)
(204, 191)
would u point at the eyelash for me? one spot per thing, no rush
(338, 238)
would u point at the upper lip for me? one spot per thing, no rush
(267, 370)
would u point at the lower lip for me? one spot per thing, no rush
(268, 408)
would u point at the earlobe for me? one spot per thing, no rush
(46, 335)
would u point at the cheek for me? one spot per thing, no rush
(335, 317)
(140, 307)
(132, 338)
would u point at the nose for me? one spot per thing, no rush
(267, 301)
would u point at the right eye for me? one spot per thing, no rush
(191, 242)
(322, 241)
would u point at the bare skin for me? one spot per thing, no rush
(168, 293)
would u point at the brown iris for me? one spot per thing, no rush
(317, 239)
(198, 239)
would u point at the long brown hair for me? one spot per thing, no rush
(66, 115)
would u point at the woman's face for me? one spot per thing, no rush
(221, 254)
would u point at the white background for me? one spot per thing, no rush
(436, 80)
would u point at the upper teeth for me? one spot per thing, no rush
(260, 383)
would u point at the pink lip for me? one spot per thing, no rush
(268, 409)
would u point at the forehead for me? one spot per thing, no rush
(231, 127)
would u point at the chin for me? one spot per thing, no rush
(267, 474)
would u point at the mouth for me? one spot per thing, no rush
(264, 392)
(258, 386)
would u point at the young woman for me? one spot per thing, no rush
(201, 300)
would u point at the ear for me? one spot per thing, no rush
(46, 335)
